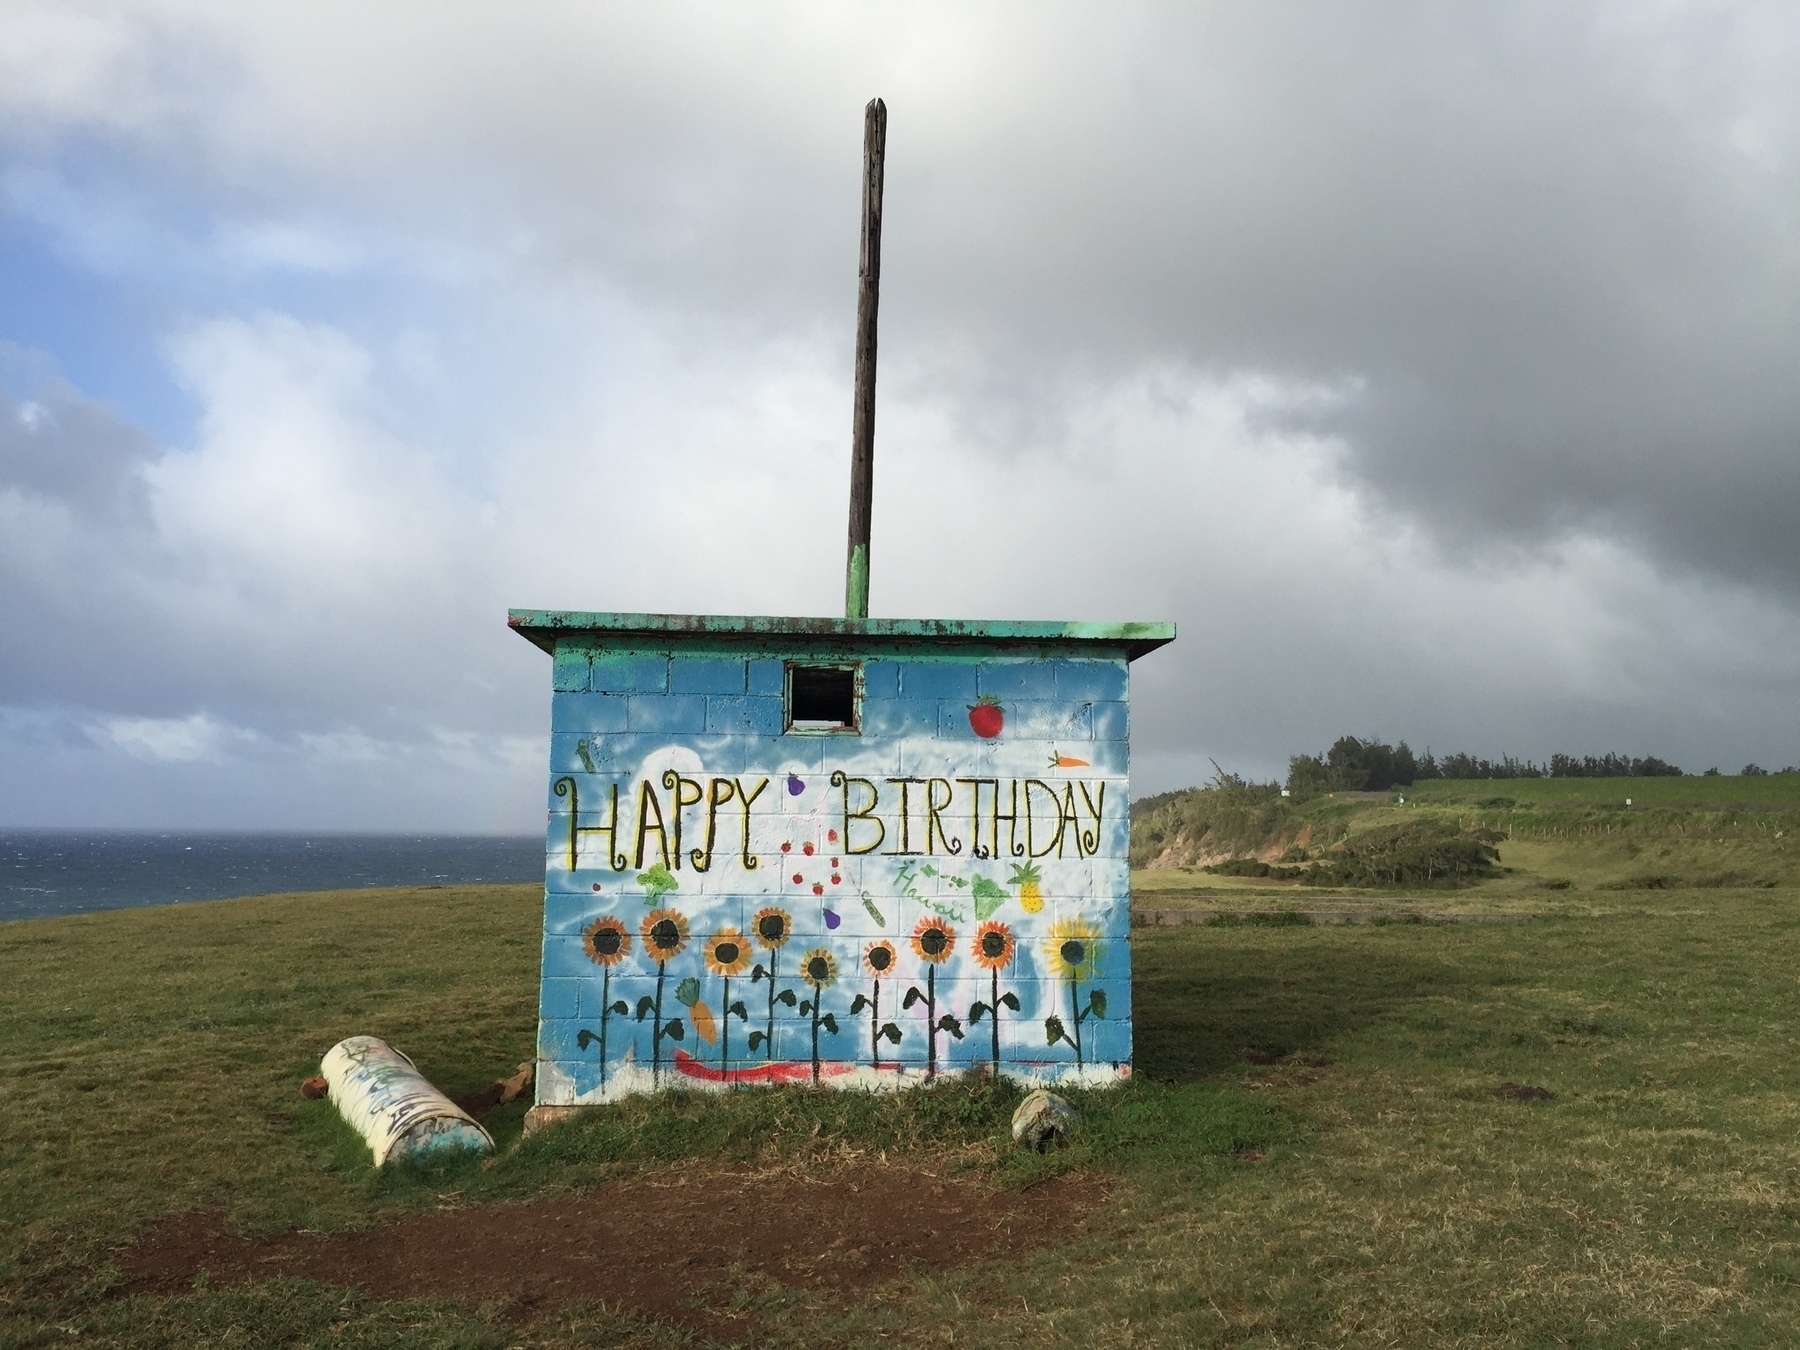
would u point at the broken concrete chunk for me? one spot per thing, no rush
(511, 1089)
(1042, 1119)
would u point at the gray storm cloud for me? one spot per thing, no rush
(1433, 368)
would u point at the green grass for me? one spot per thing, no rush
(1775, 789)
(149, 1061)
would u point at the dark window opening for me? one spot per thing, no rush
(821, 698)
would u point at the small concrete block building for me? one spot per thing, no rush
(852, 852)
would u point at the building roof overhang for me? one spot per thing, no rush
(544, 626)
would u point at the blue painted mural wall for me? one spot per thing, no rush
(729, 903)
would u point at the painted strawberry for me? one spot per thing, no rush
(986, 717)
(818, 888)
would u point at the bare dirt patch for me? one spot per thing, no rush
(654, 1245)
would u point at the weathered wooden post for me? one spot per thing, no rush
(862, 428)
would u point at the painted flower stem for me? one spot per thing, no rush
(875, 1023)
(931, 1022)
(995, 995)
(656, 1028)
(1075, 1015)
(605, 1012)
(769, 1031)
(817, 999)
(725, 1035)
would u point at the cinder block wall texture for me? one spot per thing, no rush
(942, 890)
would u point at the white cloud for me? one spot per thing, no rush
(171, 740)
(1430, 374)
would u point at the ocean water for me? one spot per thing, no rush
(49, 872)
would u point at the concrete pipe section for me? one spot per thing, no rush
(393, 1107)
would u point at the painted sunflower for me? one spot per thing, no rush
(1072, 948)
(773, 927)
(994, 945)
(879, 958)
(665, 934)
(728, 953)
(818, 968)
(934, 940)
(606, 941)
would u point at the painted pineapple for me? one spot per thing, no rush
(1027, 878)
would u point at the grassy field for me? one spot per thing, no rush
(1570, 845)
(1312, 1152)
(1776, 789)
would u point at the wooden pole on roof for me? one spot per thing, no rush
(862, 427)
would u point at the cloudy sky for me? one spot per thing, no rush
(1433, 367)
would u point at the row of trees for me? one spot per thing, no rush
(1356, 765)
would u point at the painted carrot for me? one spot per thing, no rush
(1068, 762)
(688, 992)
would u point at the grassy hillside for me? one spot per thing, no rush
(1573, 833)
(1778, 790)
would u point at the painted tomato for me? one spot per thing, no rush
(986, 717)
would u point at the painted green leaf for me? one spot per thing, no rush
(857, 1004)
(756, 1039)
(1010, 1000)
(988, 898)
(913, 995)
(656, 880)
(785, 996)
(673, 1029)
(1097, 1001)
(976, 1010)
(737, 1010)
(891, 1031)
(829, 1022)
(585, 1038)
(805, 1006)
(645, 1004)
(1053, 1030)
(951, 1025)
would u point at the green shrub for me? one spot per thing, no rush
(1423, 852)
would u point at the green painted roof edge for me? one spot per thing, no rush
(543, 626)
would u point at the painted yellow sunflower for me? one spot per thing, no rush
(773, 927)
(818, 968)
(934, 940)
(665, 934)
(606, 941)
(994, 945)
(1072, 949)
(879, 959)
(728, 953)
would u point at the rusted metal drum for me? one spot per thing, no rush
(393, 1107)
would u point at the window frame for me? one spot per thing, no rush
(851, 728)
